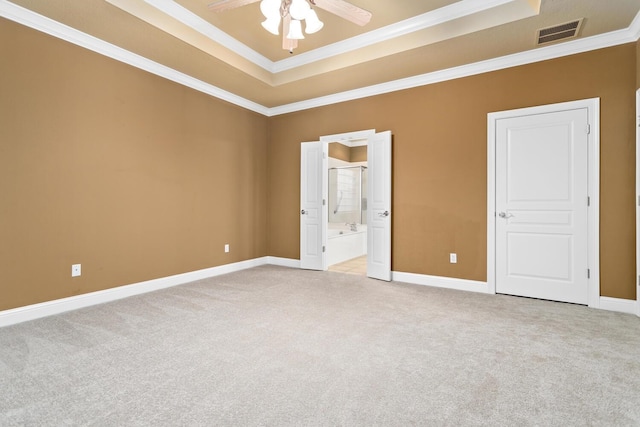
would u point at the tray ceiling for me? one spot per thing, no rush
(405, 38)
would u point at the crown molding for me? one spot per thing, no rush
(634, 28)
(614, 38)
(46, 25)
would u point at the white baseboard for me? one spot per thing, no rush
(49, 308)
(283, 262)
(441, 282)
(629, 306)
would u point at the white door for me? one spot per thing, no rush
(313, 215)
(542, 206)
(379, 206)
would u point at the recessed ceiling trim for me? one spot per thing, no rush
(205, 28)
(201, 40)
(187, 26)
(407, 26)
(435, 17)
(46, 25)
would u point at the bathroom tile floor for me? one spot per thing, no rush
(352, 266)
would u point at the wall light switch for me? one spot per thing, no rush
(76, 270)
(226, 247)
(453, 258)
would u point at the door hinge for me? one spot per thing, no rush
(324, 202)
(588, 129)
(588, 273)
(588, 201)
(638, 200)
(324, 249)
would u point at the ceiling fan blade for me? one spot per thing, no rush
(222, 5)
(287, 44)
(345, 10)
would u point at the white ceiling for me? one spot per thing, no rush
(407, 43)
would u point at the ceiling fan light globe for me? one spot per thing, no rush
(270, 8)
(299, 9)
(272, 25)
(313, 24)
(295, 30)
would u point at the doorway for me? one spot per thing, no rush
(543, 202)
(346, 204)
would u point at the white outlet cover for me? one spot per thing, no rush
(76, 270)
(226, 247)
(453, 258)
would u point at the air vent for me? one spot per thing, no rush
(564, 31)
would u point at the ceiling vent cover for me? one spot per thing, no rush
(567, 30)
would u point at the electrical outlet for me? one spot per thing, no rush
(226, 248)
(76, 270)
(453, 258)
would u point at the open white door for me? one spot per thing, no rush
(379, 206)
(313, 209)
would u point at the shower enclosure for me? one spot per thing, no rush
(348, 195)
(347, 229)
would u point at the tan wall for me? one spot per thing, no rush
(129, 174)
(137, 178)
(340, 151)
(440, 161)
(359, 154)
(347, 154)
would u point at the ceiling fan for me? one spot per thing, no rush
(293, 12)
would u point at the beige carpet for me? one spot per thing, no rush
(273, 346)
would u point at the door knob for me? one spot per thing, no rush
(385, 213)
(303, 212)
(502, 214)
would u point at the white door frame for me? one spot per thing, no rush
(593, 215)
(349, 136)
(637, 202)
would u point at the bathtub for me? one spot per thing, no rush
(344, 244)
